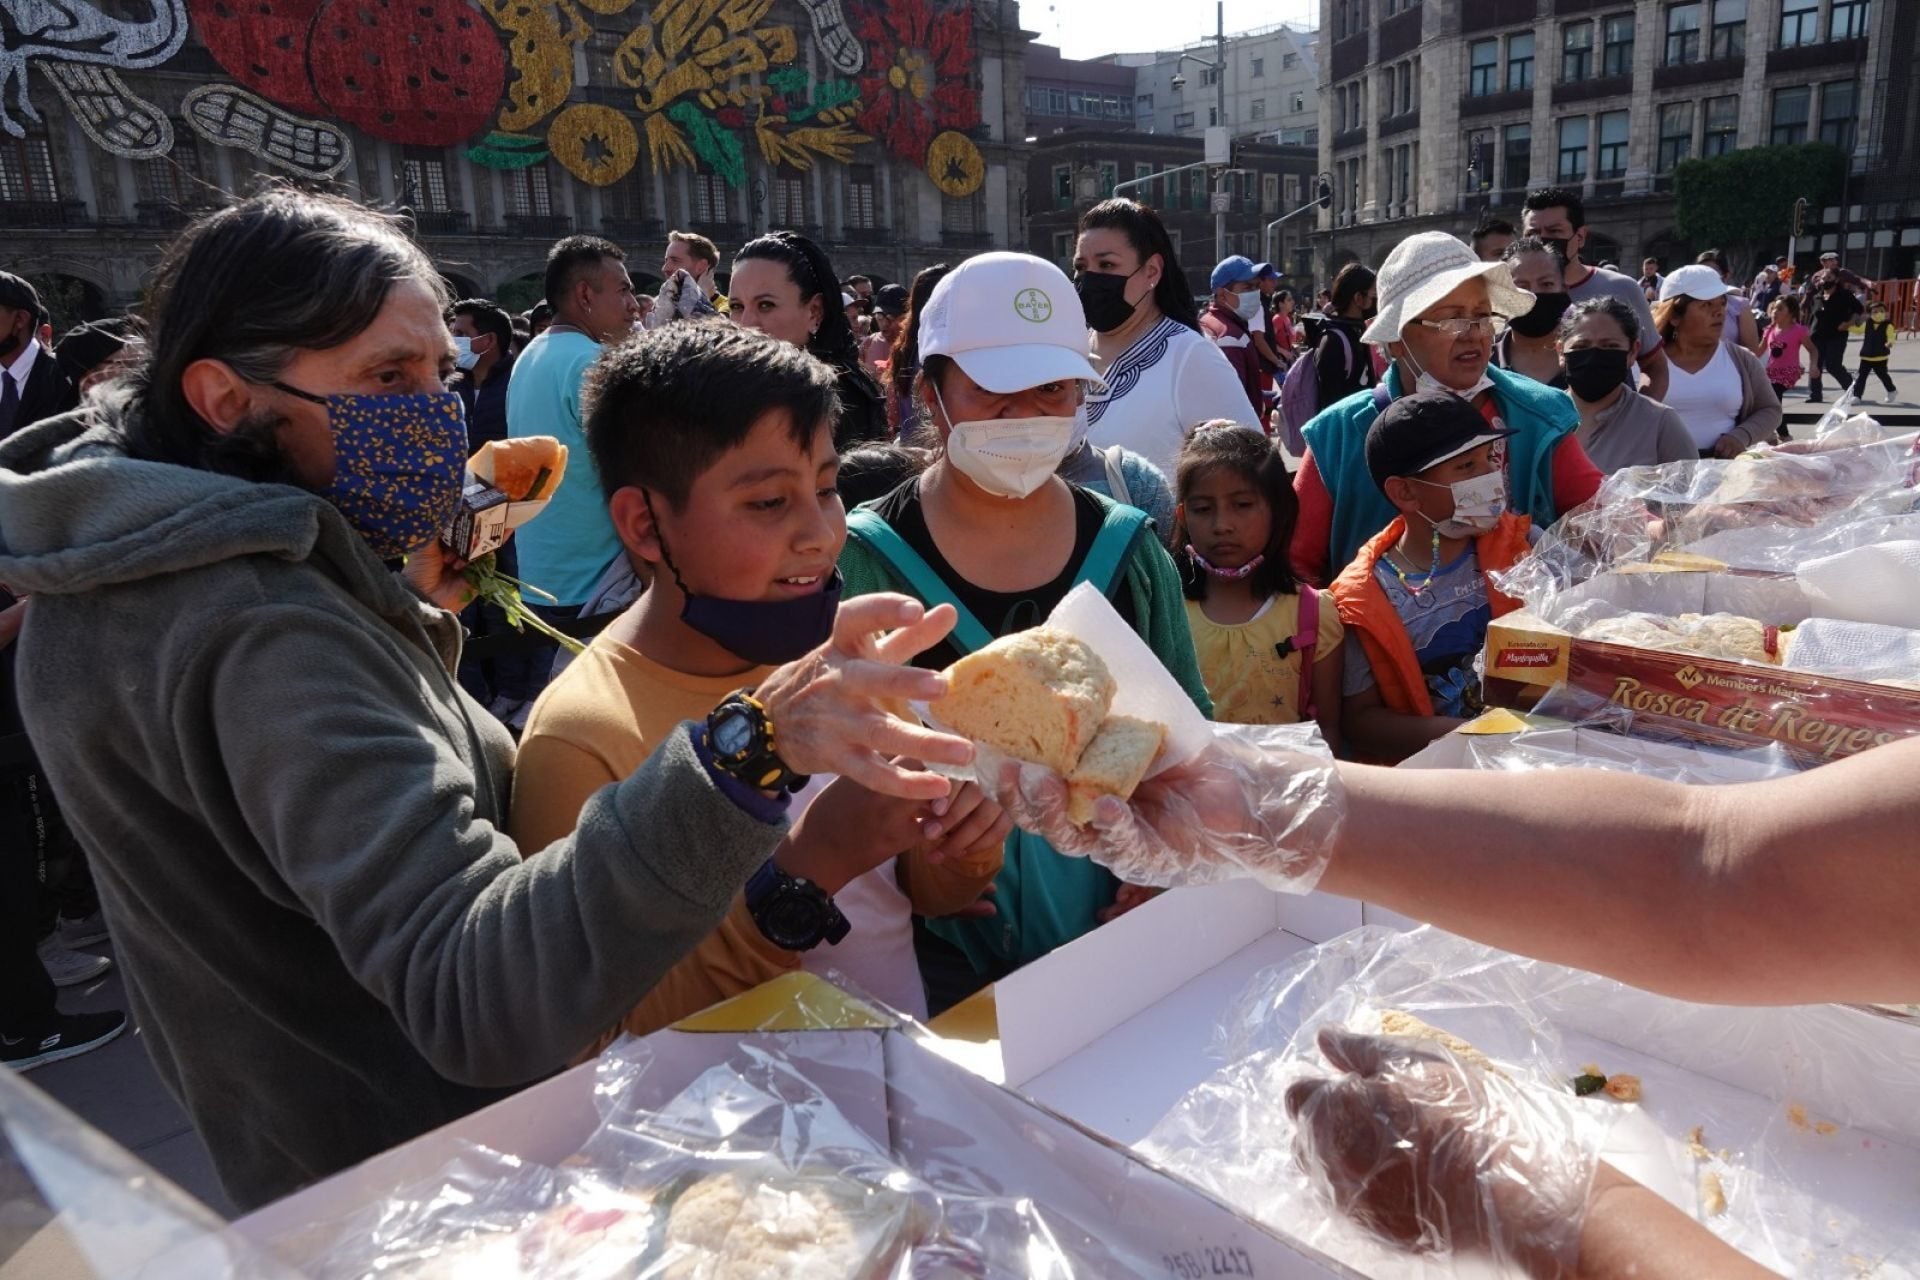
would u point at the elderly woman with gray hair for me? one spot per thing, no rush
(296, 816)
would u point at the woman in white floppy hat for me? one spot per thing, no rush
(1439, 309)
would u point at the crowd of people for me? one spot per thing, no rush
(367, 852)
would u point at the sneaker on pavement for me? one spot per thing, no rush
(83, 931)
(70, 968)
(69, 1036)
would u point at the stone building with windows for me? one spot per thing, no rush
(1272, 85)
(890, 130)
(1070, 173)
(1065, 94)
(1436, 111)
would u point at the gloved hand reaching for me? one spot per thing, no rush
(1254, 804)
(1439, 1157)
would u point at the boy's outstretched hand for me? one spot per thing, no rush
(825, 707)
(848, 830)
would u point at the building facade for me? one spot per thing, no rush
(1436, 111)
(1272, 86)
(1064, 94)
(1070, 173)
(891, 130)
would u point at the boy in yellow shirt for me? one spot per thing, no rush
(715, 448)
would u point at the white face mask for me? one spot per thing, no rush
(1009, 457)
(465, 356)
(1424, 381)
(1478, 505)
(1248, 305)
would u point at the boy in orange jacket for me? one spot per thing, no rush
(1416, 601)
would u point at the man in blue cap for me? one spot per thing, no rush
(1230, 321)
(1272, 362)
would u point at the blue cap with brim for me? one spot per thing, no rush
(1235, 270)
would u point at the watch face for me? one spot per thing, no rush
(793, 920)
(733, 734)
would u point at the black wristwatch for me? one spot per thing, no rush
(793, 914)
(740, 739)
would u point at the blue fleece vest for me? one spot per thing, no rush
(1539, 416)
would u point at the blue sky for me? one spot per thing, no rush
(1088, 28)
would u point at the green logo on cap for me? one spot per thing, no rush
(1033, 305)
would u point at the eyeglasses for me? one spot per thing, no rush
(1460, 328)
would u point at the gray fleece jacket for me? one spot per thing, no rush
(294, 815)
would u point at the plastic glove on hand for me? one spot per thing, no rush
(1251, 805)
(1437, 1157)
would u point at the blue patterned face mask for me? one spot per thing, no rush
(398, 463)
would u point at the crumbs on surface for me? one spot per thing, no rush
(1797, 1117)
(1713, 1196)
(1697, 1143)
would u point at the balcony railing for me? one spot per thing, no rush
(443, 222)
(43, 213)
(635, 229)
(163, 215)
(966, 239)
(866, 235)
(538, 224)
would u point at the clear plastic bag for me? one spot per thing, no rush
(1765, 512)
(1806, 1119)
(749, 1173)
(75, 1203)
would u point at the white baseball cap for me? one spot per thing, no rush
(1010, 321)
(1696, 280)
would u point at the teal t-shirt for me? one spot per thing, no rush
(564, 550)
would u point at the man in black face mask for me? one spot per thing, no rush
(1559, 217)
(31, 384)
(1528, 345)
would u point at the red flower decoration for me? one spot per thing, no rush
(732, 117)
(919, 75)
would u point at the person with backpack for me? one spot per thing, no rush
(991, 529)
(1269, 648)
(1335, 362)
(1159, 375)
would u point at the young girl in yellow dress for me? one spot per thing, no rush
(1269, 646)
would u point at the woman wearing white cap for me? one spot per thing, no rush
(1438, 305)
(1719, 388)
(990, 528)
(1162, 376)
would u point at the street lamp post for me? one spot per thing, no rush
(1219, 68)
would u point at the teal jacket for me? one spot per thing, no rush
(1043, 898)
(1539, 416)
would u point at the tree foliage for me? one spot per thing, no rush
(1743, 200)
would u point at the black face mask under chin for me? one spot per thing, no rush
(763, 632)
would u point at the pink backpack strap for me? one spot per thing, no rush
(1306, 642)
(1303, 642)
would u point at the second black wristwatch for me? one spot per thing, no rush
(794, 914)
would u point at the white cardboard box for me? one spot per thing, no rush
(1113, 1029)
(913, 1102)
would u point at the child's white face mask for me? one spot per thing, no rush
(1478, 505)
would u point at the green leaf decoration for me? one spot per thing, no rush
(715, 144)
(507, 151)
(788, 80)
